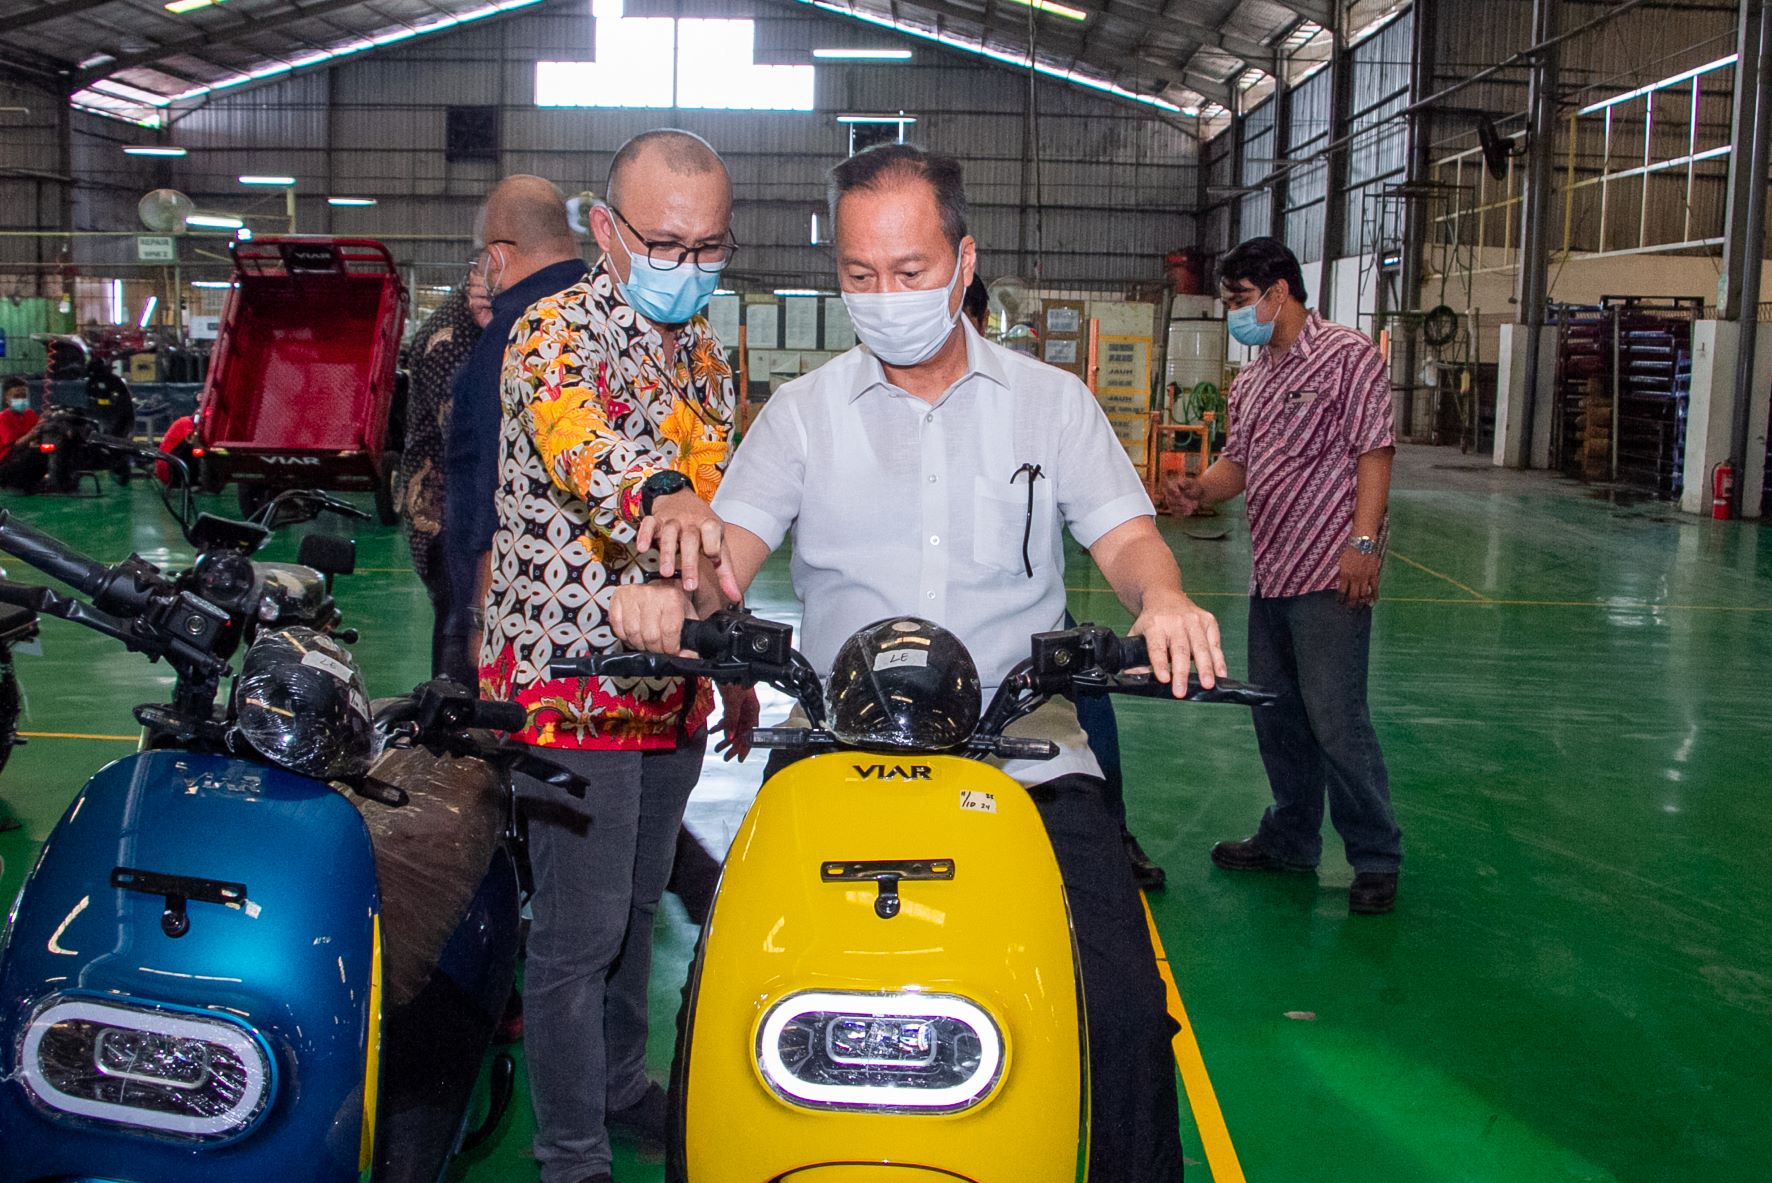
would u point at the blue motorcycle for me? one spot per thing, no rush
(276, 942)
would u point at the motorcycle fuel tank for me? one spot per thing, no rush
(887, 987)
(189, 989)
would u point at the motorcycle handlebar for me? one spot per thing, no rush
(702, 636)
(52, 557)
(1132, 652)
(501, 716)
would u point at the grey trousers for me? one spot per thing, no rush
(1317, 740)
(600, 867)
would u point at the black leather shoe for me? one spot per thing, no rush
(1246, 855)
(1147, 874)
(1373, 893)
(642, 1123)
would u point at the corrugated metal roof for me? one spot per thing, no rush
(131, 57)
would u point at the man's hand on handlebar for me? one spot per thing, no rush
(685, 530)
(649, 617)
(1180, 633)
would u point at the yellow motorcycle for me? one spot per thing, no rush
(886, 990)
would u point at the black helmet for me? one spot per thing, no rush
(300, 703)
(904, 685)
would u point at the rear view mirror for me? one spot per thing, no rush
(328, 554)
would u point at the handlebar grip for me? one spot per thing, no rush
(51, 556)
(703, 637)
(1133, 652)
(500, 716)
(1228, 690)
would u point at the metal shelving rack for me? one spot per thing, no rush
(1624, 375)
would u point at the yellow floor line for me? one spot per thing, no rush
(78, 735)
(1215, 1139)
(1463, 587)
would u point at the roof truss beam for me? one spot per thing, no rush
(48, 12)
(223, 34)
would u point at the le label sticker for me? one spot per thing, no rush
(977, 801)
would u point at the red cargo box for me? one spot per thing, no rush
(302, 380)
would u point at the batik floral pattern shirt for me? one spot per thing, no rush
(590, 411)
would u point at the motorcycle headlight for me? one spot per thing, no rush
(201, 1078)
(901, 1053)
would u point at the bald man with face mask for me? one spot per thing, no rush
(617, 403)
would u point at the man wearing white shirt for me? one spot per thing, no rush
(930, 473)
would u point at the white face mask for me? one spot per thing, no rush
(904, 328)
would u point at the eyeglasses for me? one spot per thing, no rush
(668, 255)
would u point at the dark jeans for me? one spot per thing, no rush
(1096, 716)
(1095, 713)
(22, 468)
(455, 655)
(436, 581)
(600, 866)
(1318, 738)
(1135, 1122)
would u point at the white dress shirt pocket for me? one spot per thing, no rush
(1000, 523)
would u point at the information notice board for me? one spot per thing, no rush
(1123, 387)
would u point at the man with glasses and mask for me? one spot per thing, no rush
(930, 473)
(1311, 444)
(618, 403)
(529, 253)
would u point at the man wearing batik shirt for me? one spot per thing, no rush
(440, 350)
(1311, 444)
(618, 402)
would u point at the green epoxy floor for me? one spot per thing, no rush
(1573, 698)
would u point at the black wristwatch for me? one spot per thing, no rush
(661, 484)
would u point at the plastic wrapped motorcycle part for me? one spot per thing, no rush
(430, 854)
(300, 703)
(904, 684)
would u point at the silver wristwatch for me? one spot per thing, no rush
(1364, 543)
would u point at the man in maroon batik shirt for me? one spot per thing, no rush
(1311, 445)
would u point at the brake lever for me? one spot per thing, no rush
(523, 758)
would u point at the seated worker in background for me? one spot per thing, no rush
(1096, 714)
(904, 469)
(177, 442)
(1311, 443)
(21, 465)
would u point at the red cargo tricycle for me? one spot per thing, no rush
(303, 388)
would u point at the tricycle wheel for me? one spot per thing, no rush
(252, 499)
(388, 490)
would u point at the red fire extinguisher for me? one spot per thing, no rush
(1722, 488)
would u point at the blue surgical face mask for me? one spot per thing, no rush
(1246, 329)
(667, 297)
(21, 405)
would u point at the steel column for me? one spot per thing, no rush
(1533, 286)
(1415, 209)
(1335, 165)
(1737, 249)
(1752, 246)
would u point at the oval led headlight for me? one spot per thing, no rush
(902, 1053)
(201, 1078)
